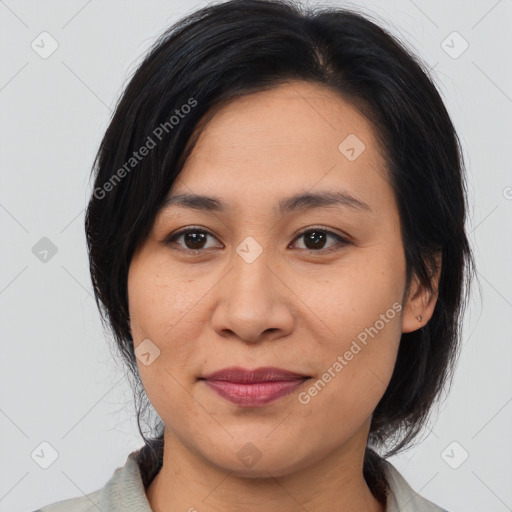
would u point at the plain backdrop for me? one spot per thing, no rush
(59, 382)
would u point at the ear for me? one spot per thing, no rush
(420, 304)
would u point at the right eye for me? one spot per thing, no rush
(193, 238)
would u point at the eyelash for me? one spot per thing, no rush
(342, 242)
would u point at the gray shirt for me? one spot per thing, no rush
(124, 492)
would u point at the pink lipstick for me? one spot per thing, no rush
(252, 388)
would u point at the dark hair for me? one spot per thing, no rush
(228, 50)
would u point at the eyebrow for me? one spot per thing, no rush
(297, 202)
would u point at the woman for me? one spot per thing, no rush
(276, 239)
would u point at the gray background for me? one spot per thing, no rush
(59, 382)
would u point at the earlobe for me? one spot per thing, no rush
(419, 309)
(421, 302)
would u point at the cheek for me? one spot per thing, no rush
(360, 311)
(157, 301)
(159, 312)
(353, 373)
(356, 294)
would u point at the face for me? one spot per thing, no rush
(311, 288)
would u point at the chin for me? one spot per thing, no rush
(249, 461)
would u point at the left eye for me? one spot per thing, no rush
(194, 239)
(318, 236)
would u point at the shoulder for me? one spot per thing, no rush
(124, 491)
(402, 498)
(86, 503)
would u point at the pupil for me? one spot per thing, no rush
(194, 238)
(317, 237)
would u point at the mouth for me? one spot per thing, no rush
(253, 388)
(244, 376)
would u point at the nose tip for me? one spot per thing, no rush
(252, 303)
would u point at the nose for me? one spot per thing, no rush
(254, 302)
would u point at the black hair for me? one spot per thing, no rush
(230, 49)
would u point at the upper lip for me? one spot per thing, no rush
(262, 374)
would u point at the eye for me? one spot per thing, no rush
(315, 238)
(192, 236)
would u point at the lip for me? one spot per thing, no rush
(262, 374)
(253, 388)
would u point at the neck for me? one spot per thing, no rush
(334, 483)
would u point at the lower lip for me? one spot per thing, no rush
(253, 395)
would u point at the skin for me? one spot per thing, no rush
(295, 306)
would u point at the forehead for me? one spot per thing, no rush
(293, 138)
